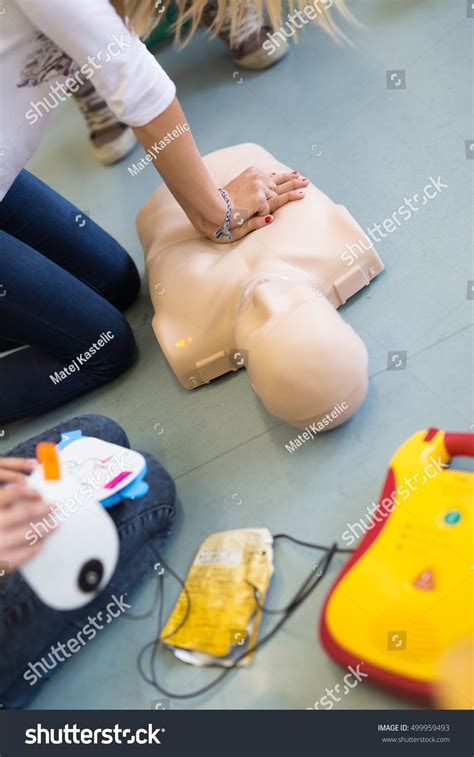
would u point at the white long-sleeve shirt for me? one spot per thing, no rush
(47, 49)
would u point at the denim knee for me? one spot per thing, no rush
(124, 281)
(99, 426)
(121, 352)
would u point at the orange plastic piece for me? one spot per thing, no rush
(48, 457)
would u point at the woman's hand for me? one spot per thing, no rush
(256, 193)
(13, 470)
(254, 196)
(20, 505)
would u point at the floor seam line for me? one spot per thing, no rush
(277, 425)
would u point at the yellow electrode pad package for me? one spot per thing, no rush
(218, 616)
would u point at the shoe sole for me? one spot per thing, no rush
(112, 152)
(259, 60)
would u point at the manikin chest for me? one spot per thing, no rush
(196, 285)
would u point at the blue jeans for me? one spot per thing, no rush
(28, 628)
(63, 283)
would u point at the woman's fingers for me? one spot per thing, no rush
(25, 514)
(16, 538)
(263, 204)
(18, 492)
(254, 223)
(272, 192)
(11, 477)
(282, 178)
(283, 199)
(287, 186)
(18, 541)
(261, 220)
(270, 183)
(286, 182)
(18, 464)
(13, 470)
(16, 557)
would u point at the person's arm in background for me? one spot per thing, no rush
(141, 95)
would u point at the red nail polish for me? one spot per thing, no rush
(294, 172)
(273, 173)
(268, 219)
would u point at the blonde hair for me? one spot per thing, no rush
(144, 15)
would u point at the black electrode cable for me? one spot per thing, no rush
(311, 582)
(308, 543)
(289, 607)
(159, 587)
(151, 610)
(328, 558)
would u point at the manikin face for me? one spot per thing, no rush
(305, 363)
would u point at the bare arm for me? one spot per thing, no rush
(135, 86)
(182, 168)
(183, 171)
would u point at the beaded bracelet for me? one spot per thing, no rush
(225, 229)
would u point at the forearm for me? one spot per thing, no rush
(181, 166)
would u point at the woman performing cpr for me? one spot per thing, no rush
(64, 283)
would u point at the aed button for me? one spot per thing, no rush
(425, 580)
(452, 517)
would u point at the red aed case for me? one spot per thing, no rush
(405, 596)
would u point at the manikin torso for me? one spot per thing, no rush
(211, 300)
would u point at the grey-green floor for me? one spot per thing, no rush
(325, 110)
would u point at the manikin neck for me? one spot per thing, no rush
(265, 300)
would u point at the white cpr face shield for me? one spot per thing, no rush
(304, 361)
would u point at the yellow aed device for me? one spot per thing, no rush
(405, 596)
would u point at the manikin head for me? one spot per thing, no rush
(304, 361)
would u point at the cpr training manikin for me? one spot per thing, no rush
(267, 302)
